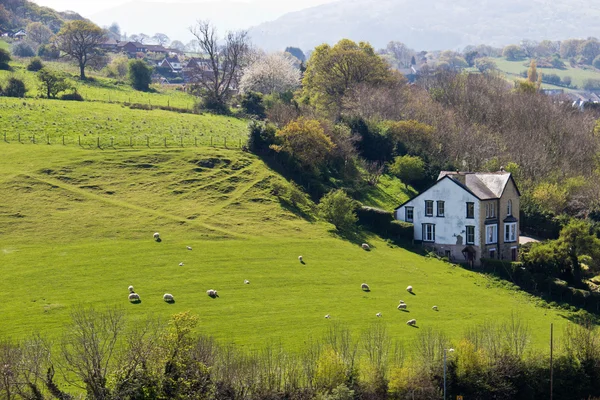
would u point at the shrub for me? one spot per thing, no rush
(35, 65)
(14, 88)
(409, 169)
(261, 136)
(566, 80)
(118, 67)
(23, 49)
(591, 84)
(4, 60)
(596, 62)
(212, 104)
(72, 97)
(140, 75)
(339, 209)
(252, 104)
(552, 79)
(48, 52)
(52, 83)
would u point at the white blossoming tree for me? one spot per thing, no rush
(271, 73)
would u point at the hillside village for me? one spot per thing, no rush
(212, 220)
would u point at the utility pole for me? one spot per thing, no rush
(551, 360)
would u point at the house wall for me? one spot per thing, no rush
(450, 230)
(510, 193)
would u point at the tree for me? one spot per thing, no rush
(332, 71)
(273, 73)
(485, 64)
(338, 208)
(401, 53)
(408, 169)
(296, 52)
(35, 65)
(569, 48)
(23, 49)
(589, 50)
(512, 52)
(529, 47)
(14, 88)
(225, 62)
(4, 16)
(471, 57)
(533, 76)
(39, 33)
(115, 29)
(177, 45)
(4, 60)
(52, 83)
(566, 80)
(140, 75)
(80, 40)
(161, 39)
(305, 140)
(252, 103)
(578, 240)
(140, 38)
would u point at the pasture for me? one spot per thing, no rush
(76, 229)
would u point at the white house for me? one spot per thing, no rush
(466, 216)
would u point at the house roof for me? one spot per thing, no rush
(156, 48)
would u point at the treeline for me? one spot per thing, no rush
(16, 14)
(106, 357)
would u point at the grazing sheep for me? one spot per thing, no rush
(134, 296)
(402, 306)
(434, 308)
(188, 247)
(365, 246)
(131, 289)
(168, 297)
(401, 301)
(365, 287)
(212, 293)
(181, 264)
(411, 322)
(156, 236)
(409, 289)
(378, 315)
(300, 258)
(328, 316)
(246, 282)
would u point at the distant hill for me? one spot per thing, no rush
(431, 24)
(19, 13)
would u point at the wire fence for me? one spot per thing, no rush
(125, 141)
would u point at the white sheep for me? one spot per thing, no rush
(328, 316)
(212, 293)
(365, 287)
(409, 289)
(402, 306)
(156, 236)
(188, 247)
(411, 322)
(365, 246)
(378, 315)
(131, 289)
(401, 301)
(134, 296)
(434, 308)
(168, 297)
(300, 258)
(246, 282)
(181, 264)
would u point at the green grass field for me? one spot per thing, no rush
(578, 75)
(76, 229)
(4, 45)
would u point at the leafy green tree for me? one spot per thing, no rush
(140, 75)
(4, 60)
(119, 67)
(52, 83)
(23, 49)
(532, 74)
(339, 209)
(35, 65)
(578, 240)
(38, 33)
(566, 80)
(14, 88)
(48, 52)
(252, 104)
(262, 135)
(81, 41)
(512, 52)
(332, 71)
(589, 50)
(596, 62)
(305, 140)
(485, 64)
(408, 168)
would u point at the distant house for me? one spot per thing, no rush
(410, 73)
(20, 35)
(466, 216)
(171, 63)
(195, 68)
(132, 48)
(110, 44)
(158, 49)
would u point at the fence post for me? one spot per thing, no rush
(48, 138)
(130, 141)
(99, 142)
(19, 137)
(147, 140)
(111, 141)
(240, 143)
(195, 141)
(165, 138)
(79, 140)
(63, 140)
(5, 137)
(181, 138)
(211, 141)
(33, 139)
(225, 141)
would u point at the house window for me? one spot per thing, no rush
(510, 232)
(470, 210)
(440, 208)
(490, 210)
(409, 214)
(491, 234)
(429, 208)
(492, 253)
(429, 232)
(470, 234)
(509, 208)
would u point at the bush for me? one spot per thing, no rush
(252, 104)
(552, 79)
(566, 80)
(591, 84)
(14, 88)
(4, 60)
(382, 223)
(337, 208)
(212, 104)
(48, 52)
(23, 49)
(72, 97)
(596, 62)
(140, 75)
(261, 136)
(35, 65)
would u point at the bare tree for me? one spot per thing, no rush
(88, 349)
(374, 170)
(223, 61)
(161, 39)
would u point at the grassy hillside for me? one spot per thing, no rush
(4, 45)
(578, 75)
(76, 229)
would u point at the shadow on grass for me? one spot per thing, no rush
(139, 301)
(170, 301)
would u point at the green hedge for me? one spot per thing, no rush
(383, 223)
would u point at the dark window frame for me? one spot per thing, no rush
(428, 214)
(424, 233)
(412, 211)
(443, 204)
(467, 234)
(472, 210)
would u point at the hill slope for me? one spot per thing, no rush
(431, 24)
(76, 229)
